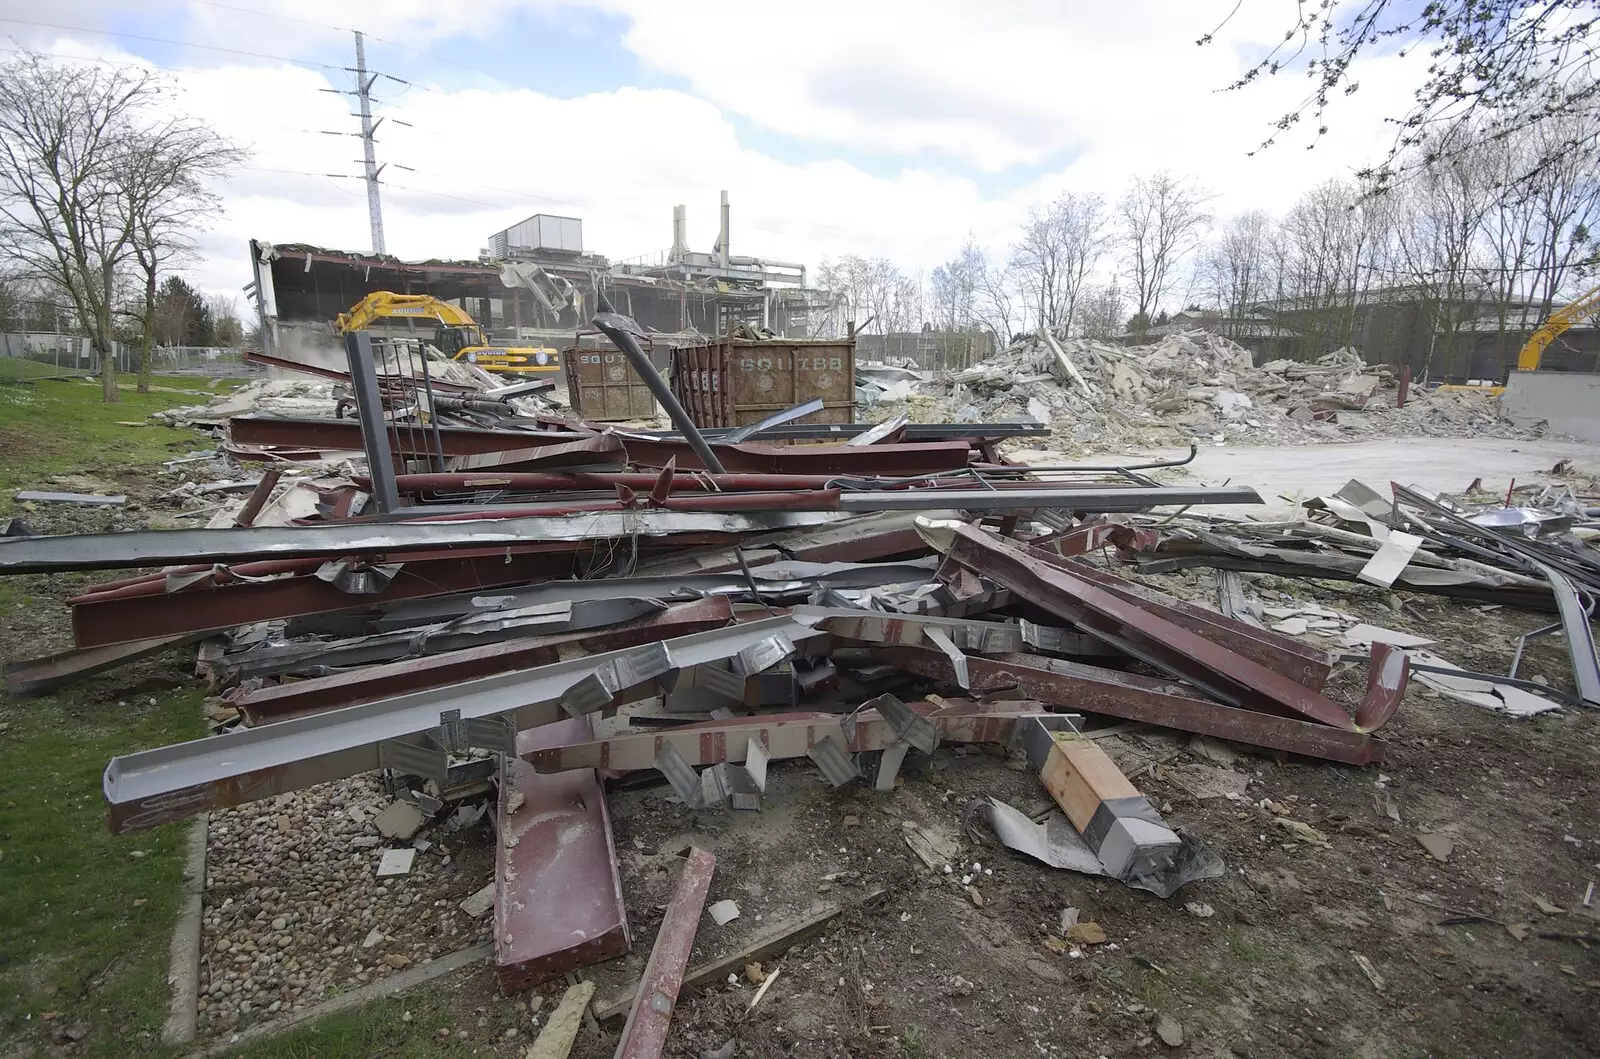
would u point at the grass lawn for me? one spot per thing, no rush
(85, 918)
(54, 426)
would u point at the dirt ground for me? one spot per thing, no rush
(1489, 953)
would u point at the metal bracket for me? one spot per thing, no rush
(671, 763)
(834, 761)
(429, 762)
(595, 691)
(907, 724)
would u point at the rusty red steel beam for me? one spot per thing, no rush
(1074, 686)
(258, 497)
(784, 735)
(1136, 629)
(645, 1033)
(539, 481)
(1284, 654)
(1093, 536)
(121, 619)
(36, 676)
(752, 458)
(280, 702)
(558, 894)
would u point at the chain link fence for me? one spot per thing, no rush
(42, 354)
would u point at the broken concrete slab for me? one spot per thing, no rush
(401, 820)
(396, 862)
(1439, 847)
(478, 904)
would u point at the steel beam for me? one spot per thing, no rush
(1070, 685)
(1133, 628)
(558, 895)
(282, 701)
(37, 676)
(98, 551)
(1278, 651)
(115, 620)
(751, 458)
(374, 437)
(174, 782)
(843, 431)
(345, 434)
(646, 1031)
(477, 630)
(599, 449)
(1113, 498)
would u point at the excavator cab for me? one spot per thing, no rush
(452, 340)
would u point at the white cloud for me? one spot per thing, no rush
(959, 98)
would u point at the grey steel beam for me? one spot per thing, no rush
(374, 427)
(98, 551)
(1575, 619)
(1047, 495)
(174, 782)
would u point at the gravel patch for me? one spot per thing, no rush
(294, 912)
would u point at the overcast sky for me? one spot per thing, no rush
(890, 127)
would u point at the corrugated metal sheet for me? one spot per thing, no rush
(733, 381)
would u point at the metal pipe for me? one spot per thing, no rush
(620, 329)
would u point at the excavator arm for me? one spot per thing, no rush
(383, 304)
(1581, 309)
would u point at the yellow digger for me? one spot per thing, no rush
(1576, 311)
(458, 337)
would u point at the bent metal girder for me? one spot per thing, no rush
(1223, 673)
(413, 730)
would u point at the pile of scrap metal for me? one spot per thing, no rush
(697, 606)
(1538, 555)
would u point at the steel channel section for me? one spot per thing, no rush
(174, 782)
(841, 431)
(750, 458)
(345, 434)
(1279, 652)
(95, 551)
(121, 620)
(1046, 495)
(645, 1033)
(1073, 686)
(282, 701)
(1580, 634)
(1204, 663)
(601, 449)
(558, 894)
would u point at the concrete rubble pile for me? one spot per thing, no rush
(1202, 385)
(489, 620)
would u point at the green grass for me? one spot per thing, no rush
(17, 368)
(85, 923)
(61, 426)
(379, 1028)
(1243, 949)
(912, 1042)
(85, 917)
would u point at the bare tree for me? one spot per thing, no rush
(1164, 219)
(882, 298)
(1237, 268)
(1000, 300)
(1103, 309)
(1506, 65)
(64, 135)
(1058, 250)
(167, 199)
(226, 329)
(953, 288)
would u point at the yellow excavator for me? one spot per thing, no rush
(458, 337)
(1576, 311)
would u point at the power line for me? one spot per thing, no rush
(177, 43)
(270, 14)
